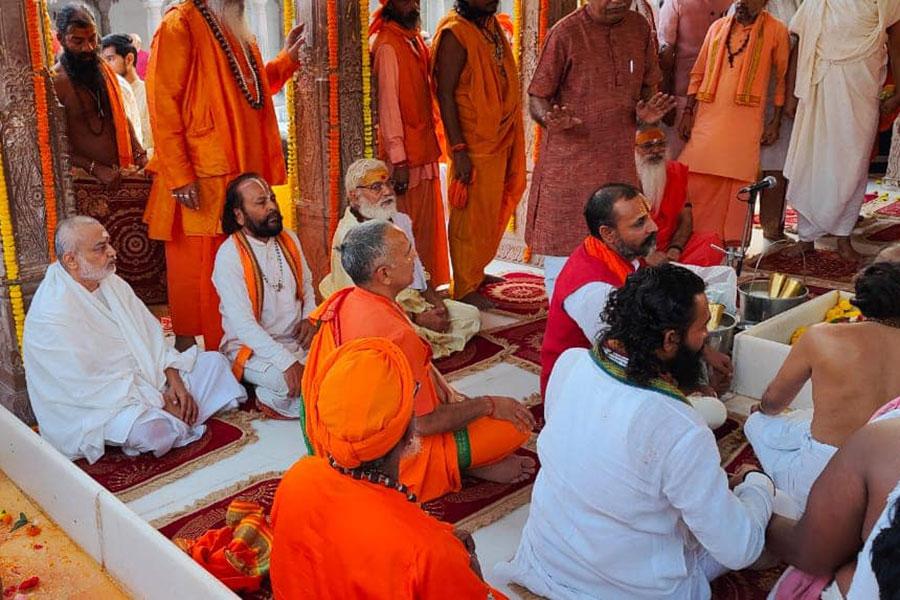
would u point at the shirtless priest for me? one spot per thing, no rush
(459, 435)
(98, 369)
(266, 293)
(853, 368)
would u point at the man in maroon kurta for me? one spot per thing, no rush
(595, 78)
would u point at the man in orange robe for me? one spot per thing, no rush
(212, 118)
(458, 434)
(406, 128)
(728, 92)
(478, 93)
(344, 525)
(664, 184)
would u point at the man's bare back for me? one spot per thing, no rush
(853, 367)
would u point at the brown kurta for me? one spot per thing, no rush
(597, 71)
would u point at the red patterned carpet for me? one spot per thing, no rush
(132, 476)
(520, 294)
(141, 261)
(888, 234)
(525, 339)
(479, 351)
(891, 210)
(823, 265)
(790, 219)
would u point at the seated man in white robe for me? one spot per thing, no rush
(854, 371)
(98, 369)
(445, 324)
(266, 293)
(631, 501)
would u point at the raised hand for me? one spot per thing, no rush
(295, 42)
(654, 109)
(560, 118)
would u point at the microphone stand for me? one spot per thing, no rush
(734, 256)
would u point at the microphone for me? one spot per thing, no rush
(762, 184)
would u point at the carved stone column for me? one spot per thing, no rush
(154, 16)
(261, 26)
(22, 163)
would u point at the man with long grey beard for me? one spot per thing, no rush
(445, 324)
(211, 112)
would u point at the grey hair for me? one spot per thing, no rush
(357, 172)
(362, 249)
(66, 238)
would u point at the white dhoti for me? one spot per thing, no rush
(841, 66)
(271, 388)
(788, 452)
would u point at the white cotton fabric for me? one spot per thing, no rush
(631, 501)
(95, 362)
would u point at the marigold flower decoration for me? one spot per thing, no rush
(288, 15)
(366, 73)
(10, 259)
(334, 116)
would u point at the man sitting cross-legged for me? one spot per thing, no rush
(266, 293)
(631, 500)
(459, 435)
(621, 239)
(445, 324)
(665, 186)
(344, 525)
(97, 366)
(853, 368)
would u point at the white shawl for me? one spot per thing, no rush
(87, 359)
(839, 32)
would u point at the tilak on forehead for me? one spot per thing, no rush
(375, 175)
(652, 134)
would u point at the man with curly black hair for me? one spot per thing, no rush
(631, 501)
(853, 369)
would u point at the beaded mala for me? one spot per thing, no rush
(732, 54)
(373, 477)
(236, 72)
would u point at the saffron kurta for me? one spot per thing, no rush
(723, 152)
(490, 115)
(336, 538)
(698, 250)
(354, 313)
(206, 132)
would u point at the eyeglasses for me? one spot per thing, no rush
(377, 187)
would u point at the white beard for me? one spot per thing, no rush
(89, 272)
(378, 212)
(653, 180)
(232, 18)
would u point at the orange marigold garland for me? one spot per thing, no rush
(289, 92)
(334, 116)
(518, 30)
(35, 45)
(366, 71)
(48, 34)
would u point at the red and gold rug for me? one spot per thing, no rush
(887, 235)
(130, 477)
(478, 354)
(524, 340)
(823, 268)
(521, 294)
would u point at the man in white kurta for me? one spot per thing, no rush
(97, 366)
(279, 338)
(631, 501)
(841, 66)
(445, 324)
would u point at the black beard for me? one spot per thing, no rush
(410, 21)
(685, 367)
(644, 249)
(265, 228)
(83, 68)
(468, 12)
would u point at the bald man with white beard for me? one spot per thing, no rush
(98, 369)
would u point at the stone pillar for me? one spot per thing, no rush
(22, 165)
(154, 17)
(260, 22)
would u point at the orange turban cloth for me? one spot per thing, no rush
(650, 134)
(362, 401)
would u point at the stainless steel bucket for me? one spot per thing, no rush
(722, 338)
(757, 306)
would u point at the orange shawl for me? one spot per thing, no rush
(751, 87)
(120, 121)
(256, 289)
(619, 267)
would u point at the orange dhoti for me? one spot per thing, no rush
(716, 207)
(424, 205)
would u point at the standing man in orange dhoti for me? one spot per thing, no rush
(730, 80)
(209, 95)
(477, 436)
(406, 128)
(478, 93)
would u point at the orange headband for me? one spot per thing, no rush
(649, 135)
(374, 176)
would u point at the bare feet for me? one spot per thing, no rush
(845, 249)
(478, 300)
(183, 342)
(492, 279)
(799, 248)
(512, 469)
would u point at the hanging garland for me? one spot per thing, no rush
(334, 125)
(48, 35)
(10, 260)
(368, 135)
(518, 31)
(289, 95)
(33, 19)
